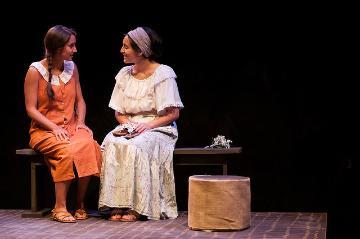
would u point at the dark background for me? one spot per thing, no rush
(276, 82)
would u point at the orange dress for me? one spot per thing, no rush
(81, 149)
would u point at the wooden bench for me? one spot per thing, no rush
(193, 156)
(203, 156)
(36, 159)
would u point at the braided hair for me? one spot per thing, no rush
(55, 39)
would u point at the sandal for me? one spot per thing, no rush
(116, 214)
(120, 133)
(130, 216)
(62, 216)
(81, 214)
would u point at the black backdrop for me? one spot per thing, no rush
(274, 82)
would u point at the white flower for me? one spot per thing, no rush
(220, 142)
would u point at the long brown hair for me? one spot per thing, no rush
(55, 39)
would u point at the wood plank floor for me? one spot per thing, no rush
(263, 225)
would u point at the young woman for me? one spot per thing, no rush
(55, 103)
(137, 173)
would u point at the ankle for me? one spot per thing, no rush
(60, 209)
(80, 206)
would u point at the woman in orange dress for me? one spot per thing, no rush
(55, 103)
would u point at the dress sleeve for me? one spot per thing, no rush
(167, 95)
(117, 96)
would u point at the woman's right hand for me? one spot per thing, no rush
(60, 133)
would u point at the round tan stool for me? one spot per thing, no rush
(219, 202)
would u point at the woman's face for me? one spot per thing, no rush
(130, 55)
(69, 49)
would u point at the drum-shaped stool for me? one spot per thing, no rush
(219, 202)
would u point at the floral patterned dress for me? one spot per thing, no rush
(138, 172)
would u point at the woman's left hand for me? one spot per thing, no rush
(83, 126)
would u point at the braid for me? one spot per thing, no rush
(54, 41)
(49, 89)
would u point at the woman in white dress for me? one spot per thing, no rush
(137, 177)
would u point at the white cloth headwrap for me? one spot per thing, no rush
(142, 40)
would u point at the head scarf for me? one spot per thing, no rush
(142, 40)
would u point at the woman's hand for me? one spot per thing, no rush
(83, 126)
(142, 127)
(60, 133)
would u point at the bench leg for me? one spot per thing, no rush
(34, 207)
(225, 168)
(34, 212)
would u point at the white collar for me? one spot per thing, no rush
(65, 76)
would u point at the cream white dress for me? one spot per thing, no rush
(138, 173)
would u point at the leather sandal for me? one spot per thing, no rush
(116, 215)
(62, 216)
(81, 214)
(131, 216)
(120, 133)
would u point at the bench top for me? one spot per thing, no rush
(232, 150)
(26, 152)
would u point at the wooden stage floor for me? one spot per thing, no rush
(263, 225)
